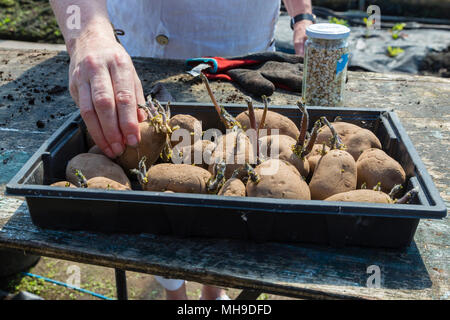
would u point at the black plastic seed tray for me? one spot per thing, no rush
(258, 219)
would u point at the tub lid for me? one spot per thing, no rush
(330, 31)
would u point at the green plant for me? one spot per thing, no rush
(338, 21)
(397, 30)
(394, 51)
(369, 24)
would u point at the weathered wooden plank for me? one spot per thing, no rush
(287, 269)
(422, 104)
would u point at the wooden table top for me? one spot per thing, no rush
(34, 102)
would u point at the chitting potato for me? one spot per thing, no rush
(95, 165)
(155, 132)
(233, 148)
(373, 196)
(335, 172)
(188, 123)
(95, 149)
(286, 148)
(175, 177)
(233, 187)
(284, 145)
(105, 183)
(361, 195)
(63, 184)
(314, 156)
(355, 138)
(375, 166)
(277, 179)
(272, 121)
(203, 149)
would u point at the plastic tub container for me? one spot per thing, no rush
(198, 215)
(325, 67)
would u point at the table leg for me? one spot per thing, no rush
(248, 295)
(121, 284)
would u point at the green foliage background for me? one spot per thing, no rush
(28, 20)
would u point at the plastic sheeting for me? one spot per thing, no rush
(370, 53)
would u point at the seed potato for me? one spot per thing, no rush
(361, 195)
(314, 156)
(335, 173)
(284, 146)
(274, 120)
(374, 166)
(355, 138)
(105, 183)
(177, 178)
(285, 182)
(95, 165)
(186, 122)
(235, 149)
(63, 184)
(232, 188)
(151, 145)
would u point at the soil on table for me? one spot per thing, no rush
(437, 64)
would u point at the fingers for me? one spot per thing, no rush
(300, 36)
(89, 116)
(300, 48)
(123, 80)
(107, 90)
(105, 106)
(142, 116)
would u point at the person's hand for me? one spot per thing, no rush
(300, 36)
(105, 86)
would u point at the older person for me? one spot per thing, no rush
(104, 83)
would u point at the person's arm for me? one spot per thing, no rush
(295, 7)
(102, 78)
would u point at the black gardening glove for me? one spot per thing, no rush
(258, 73)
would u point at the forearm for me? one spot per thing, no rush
(94, 21)
(295, 7)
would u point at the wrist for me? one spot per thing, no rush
(95, 33)
(301, 18)
(302, 25)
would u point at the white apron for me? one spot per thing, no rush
(181, 29)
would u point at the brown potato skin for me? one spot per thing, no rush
(151, 145)
(361, 195)
(187, 122)
(285, 144)
(314, 156)
(63, 184)
(274, 120)
(355, 138)
(233, 187)
(225, 151)
(374, 166)
(95, 165)
(335, 173)
(105, 183)
(287, 183)
(177, 178)
(204, 146)
(95, 149)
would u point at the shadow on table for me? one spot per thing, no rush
(272, 265)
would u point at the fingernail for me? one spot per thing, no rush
(109, 153)
(117, 148)
(132, 140)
